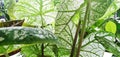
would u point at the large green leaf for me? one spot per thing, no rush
(98, 9)
(91, 47)
(111, 9)
(64, 26)
(107, 40)
(35, 12)
(97, 42)
(110, 27)
(69, 12)
(25, 35)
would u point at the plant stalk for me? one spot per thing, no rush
(83, 28)
(42, 49)
(6, 54)
(75, 39)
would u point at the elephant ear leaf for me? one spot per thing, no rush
(25, 35)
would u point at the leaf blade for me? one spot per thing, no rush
(110, 27)
(25, 35)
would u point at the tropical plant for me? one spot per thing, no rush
(21, 35)
(65, 27)
(85, 28)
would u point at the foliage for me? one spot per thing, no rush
(19, 35)
(38, 14)
(108, 42)
(24, 35)
(100, 32)
(110, 11)
(66, 17)
(111, 27)
(3, 10)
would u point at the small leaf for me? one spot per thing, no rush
(76, 17)
(110, 27)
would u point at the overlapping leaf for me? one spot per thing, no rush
(25, 35)
(65, 28)
(9, 6)
(111, 9)
(35, 12)
(107, 40)
(68, 16)
(91, 47)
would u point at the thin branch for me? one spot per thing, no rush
(42, 49)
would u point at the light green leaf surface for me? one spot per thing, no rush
(107, 40)
(10, 5)
(110, 11)
(66, 21)
(110, 27)
(36, 12)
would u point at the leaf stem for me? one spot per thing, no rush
(75, 39)
(42, 49)
(83, 28)
(6, 54)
